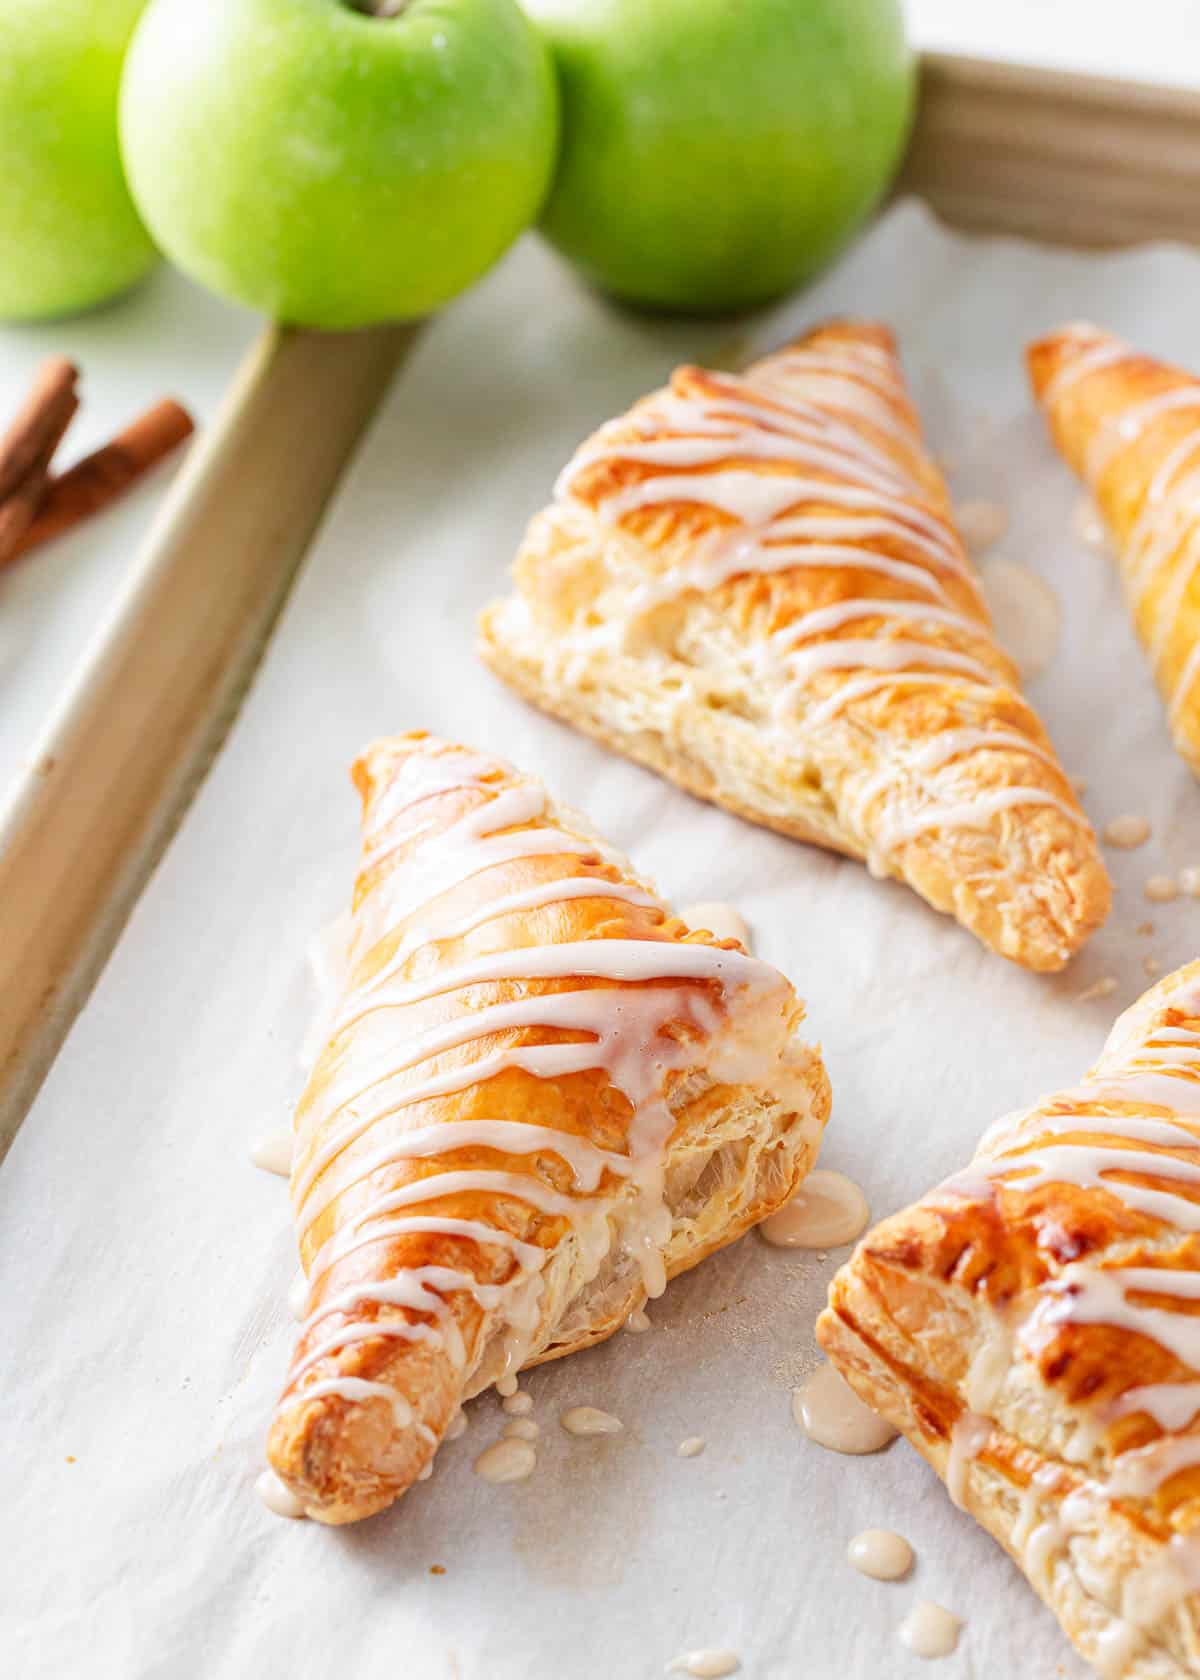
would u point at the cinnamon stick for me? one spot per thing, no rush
(107, 473)
(20, 508)
(39, 424)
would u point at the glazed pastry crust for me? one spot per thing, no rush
(965, 1307)
(746, 1101)
(621, 626)
(1130, 428)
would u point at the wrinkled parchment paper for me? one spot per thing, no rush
(143, 1261)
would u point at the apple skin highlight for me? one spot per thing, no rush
(334, 168)
(717, 153)
(70, 235)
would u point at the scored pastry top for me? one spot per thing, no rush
(524, 1029)
(754, 583)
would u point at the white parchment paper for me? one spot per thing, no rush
(143, 1261)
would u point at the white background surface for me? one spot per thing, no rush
(1154, 41)
(165, 338)
(145, 1261)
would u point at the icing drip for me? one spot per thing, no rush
(968, 1438)
(982, 524)
(831, 1414)
(278, 1497)
(882, 1555)
(826, 1211)
(706, 1664)
(508, 1460)
(930, 1631)
(273, 1153)
(589, 1420)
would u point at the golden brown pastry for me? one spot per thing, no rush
(1033, 1327)
(541, 1097)
(754, 585)
(1130, 427)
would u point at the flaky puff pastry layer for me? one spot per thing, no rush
(1130, 428)
(754, 585)
(1033, 1327)
(541, 1096)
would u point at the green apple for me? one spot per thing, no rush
(333, 164)
(717, 152)
(69, 233)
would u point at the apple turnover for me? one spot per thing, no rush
(541, 1096)
(1033, 1327)
(754, 585)
(1130, 428)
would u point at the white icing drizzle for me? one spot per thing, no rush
(623, 1036)
(881, 1554)
(604, 959)
(968, 1437)
(848, 652)
(1104, 354)
(972, 813)
(1171, 1405)
(507, 1137)
(822, 619)
(934, 754)
(297, 1296)
(721, 920)
(1099, 1136)
(987, 1371)
(732, 422)
(356, 1390)
(1123, 428)
(1141, 1472)
(1148, 1593)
